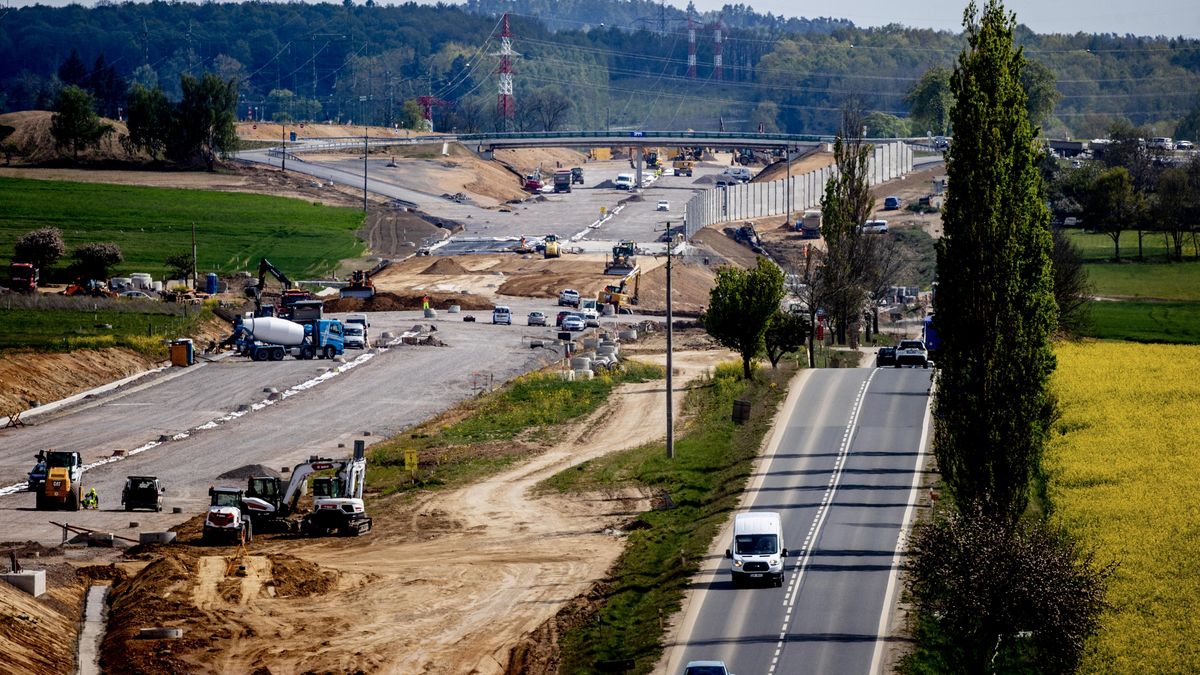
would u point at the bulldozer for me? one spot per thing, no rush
(360, 285)
(552, 249)
(624, 259)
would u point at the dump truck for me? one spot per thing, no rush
(63, 485)
(683, 167)
(562, 180)
(624, 259)
(22, 277)
(272, 338)
(809, 225)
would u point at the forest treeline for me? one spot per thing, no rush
(615, 63)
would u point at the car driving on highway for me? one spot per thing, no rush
(706, 668)
(912, 353)
(886, 356)
(502, 315)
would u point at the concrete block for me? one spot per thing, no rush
(32, 582)
(100, 539)
(159, 633)
(156, 538)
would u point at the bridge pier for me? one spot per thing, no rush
(637, 178)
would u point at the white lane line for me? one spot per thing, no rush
(212, 424)
(901, 542)
(814, 530)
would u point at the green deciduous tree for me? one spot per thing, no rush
(1041, 94)
(42, 247)
(179, 265)
(999, 593)
(1113, 206)
(996, 310)
(1072, 291)
(149, 120)
(883, 125)
(740, 307)
(95, 261)
(1173, 208)
(930, 101)
(205, 119)
(786, 333)
(1188, 128)
(75, 124)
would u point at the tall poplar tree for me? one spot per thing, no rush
(995, 307)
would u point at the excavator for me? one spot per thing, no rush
(90, 288)
(289, 296)
(623, 260)
(622, 294)
(337, 500)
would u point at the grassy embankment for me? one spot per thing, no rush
(491, 432)
(233, 230)
(699, 489)
(1124, 472)
(1151, 301)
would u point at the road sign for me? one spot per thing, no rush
(637, 134)
(410, 460)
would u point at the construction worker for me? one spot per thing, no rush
(91, 500)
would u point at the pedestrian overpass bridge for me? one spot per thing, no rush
(487, 142)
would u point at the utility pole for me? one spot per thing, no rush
(195, 275)
(670, 411)
(366, 150)
(283, 147)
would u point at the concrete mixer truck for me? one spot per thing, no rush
(271, 338)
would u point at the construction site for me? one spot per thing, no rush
(254, 509)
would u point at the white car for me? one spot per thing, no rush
(573, 322)
(352, 333)
(912, 353)
(663, 205)
(1184, 145)
(536, 319)
(502, 315)
(568, 297)
(135, 295)
(706, 668)
(875, 227)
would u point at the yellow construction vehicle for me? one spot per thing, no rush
(683, 167)
(622, 294)
(552, 249)
(623, 261)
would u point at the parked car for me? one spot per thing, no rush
(135, 295)
(706, 668)
(142, 492)
(912, 353)
(663, 205)
(886, 356)
(875, 227)
(558, 321)
(536, 319)
(891, 203)
(1184, 145)
(573, 322)
(568, 297)
(502, 314)
(590, 317)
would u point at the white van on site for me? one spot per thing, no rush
(757, 549)
(740, 173)
(502, 315)
(624, 181)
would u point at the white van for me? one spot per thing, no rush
(361, 320)
(757, 549)
(502, 315)
(624, 181)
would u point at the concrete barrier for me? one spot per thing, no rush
(156, 538)
(32, 582)
(453, 309)
(159, 633)
(627, 335)
(431, 313)
(100, 540)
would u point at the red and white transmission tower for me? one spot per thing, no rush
(505, 104)
(718, 47)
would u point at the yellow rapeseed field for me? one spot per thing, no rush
(1124, 467)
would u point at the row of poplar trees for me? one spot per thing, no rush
(998, 588)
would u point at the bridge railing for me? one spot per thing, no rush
(747, 201)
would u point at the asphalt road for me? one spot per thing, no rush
(842, 479)
(382, 395)
(564, 214)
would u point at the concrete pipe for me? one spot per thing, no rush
(627, 335)
(591, 342)
(583, 374)
(608, 310)
(581, 363)
(534, 344)
(387, 335)
(606, 351)
(568, 375)
(431, 313)
(454, 309)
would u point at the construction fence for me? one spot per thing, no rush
(758, 200)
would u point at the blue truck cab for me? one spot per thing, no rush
(326, 338)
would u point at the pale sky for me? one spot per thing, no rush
(1140, 17)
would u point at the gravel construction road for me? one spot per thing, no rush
(842, 479)
(382, 395)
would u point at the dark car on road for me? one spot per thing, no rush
(886, 356)
(142, 492)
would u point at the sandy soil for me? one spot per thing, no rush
(38, 635)
(446, 583)
(726, 250)
(779, 170)
(270, 131)
(34, 377)
(527, 160)
(34, 143)
(909, 189)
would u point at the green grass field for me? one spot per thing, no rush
(58, 323)
(233, 230)
(1161, 281)
(1138, 321)
(1099, 247)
